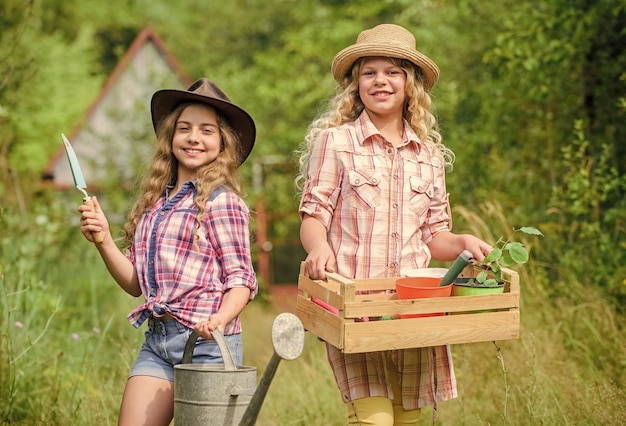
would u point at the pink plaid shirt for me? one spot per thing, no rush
(185, 280)
(381, 206)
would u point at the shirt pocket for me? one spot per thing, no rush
(364, 191)
(421, 194)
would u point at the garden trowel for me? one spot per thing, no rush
(79, 180)
(461, 262)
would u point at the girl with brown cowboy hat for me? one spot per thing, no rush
(374, 204)
(188, 246)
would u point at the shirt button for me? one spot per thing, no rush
(162, 213)
(357, 181)
(395, 205)
(374, 180)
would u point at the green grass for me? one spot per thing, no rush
(66, 348)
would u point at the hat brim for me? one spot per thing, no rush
(343, 61)
(165, 101)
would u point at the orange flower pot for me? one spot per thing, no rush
(421, 288)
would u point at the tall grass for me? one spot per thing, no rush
(66, 346)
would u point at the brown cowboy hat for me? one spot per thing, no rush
(206, 92)
(387, 40)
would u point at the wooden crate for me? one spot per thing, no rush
(345, 329)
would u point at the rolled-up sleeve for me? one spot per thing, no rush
(228, 231)
(323, 183)
(439, 211)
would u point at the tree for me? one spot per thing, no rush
(44, 89)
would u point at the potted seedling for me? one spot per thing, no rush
(505, 253)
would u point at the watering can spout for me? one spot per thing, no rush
(288, 342)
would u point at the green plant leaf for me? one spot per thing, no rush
(506, 260)
(493, 255)
(530, 230)
(496, 270)
(518, 252)
(491, 282)
(481, 277)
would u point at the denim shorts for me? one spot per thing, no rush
(165, 344)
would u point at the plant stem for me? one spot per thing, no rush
(43, 332)
(506, 384)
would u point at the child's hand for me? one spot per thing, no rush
(319, 261)
(205, 328)
(92, 220)
(477, 247)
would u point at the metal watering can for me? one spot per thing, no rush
(225, 394)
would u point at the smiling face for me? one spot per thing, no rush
(381, 88)
(196, 141)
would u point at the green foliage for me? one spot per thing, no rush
(50, 99)
(589, 206)
(533, 69)
(47, 84)
(504, 253)
(56, 327)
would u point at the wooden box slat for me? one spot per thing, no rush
(430, 331)
(321, 322)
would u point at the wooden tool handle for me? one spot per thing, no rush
(97, 236)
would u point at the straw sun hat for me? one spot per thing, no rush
(206, 92)
(386, 40)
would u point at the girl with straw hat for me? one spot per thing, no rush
(374, 204)
(188, 246)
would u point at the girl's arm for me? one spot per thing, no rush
(233, 303)
(118, 265)
(321, 191)
(228, 219)
(320, 258)
(446, 246)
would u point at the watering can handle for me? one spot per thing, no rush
(229, 364)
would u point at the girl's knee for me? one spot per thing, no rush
(370, 411)
(404, 417)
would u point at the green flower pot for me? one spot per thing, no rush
(460, 287)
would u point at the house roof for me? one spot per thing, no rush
(115, 131)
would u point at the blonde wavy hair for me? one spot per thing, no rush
(346, 106)
(163, 170)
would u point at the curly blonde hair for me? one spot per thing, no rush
(163, 170)
(346, 106)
